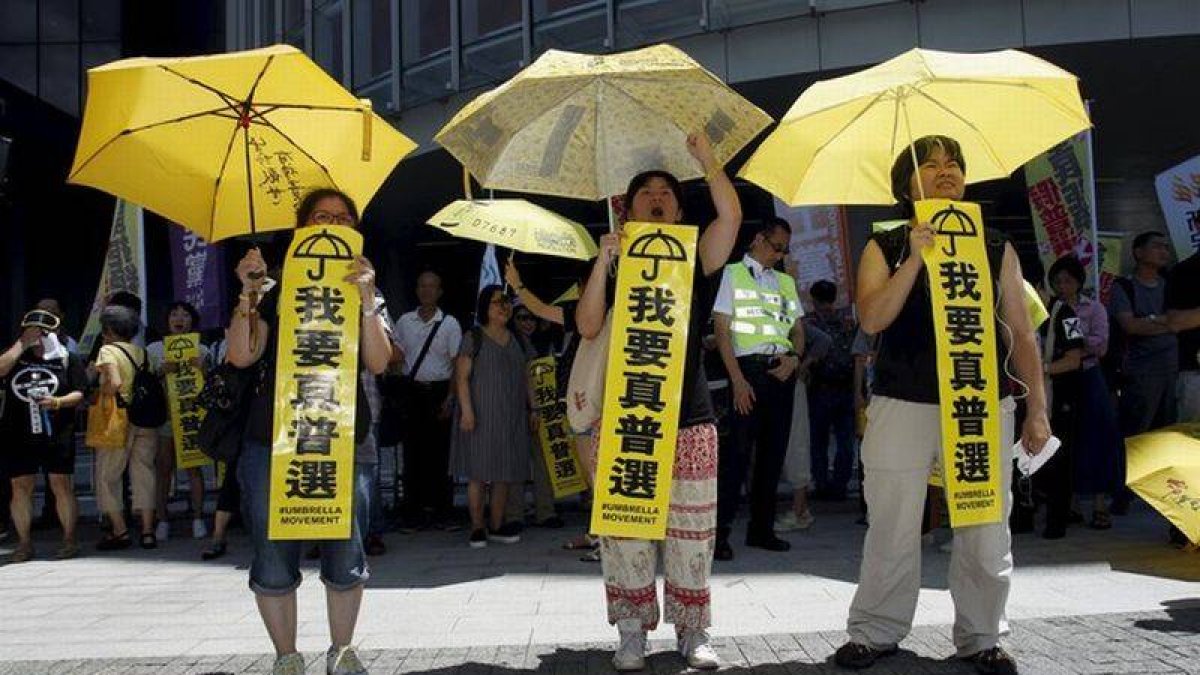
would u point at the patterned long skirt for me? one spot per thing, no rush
(629, 564)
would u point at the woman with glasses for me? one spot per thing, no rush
(275, 569)
(491, 439)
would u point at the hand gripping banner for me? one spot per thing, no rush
(554, 438)
(644, 381)
(183, 385)
(964, 323)
(312, 457)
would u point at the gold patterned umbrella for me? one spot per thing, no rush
(580, 125)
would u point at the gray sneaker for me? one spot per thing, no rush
(343, 661)
(289, 664)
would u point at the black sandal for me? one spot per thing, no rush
(148, 540)
(114, 542)
(213, 552)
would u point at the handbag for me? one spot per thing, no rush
(585, 387)
(225, 399)
(107, 424)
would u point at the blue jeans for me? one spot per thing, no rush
(831, 408)
(275, 569)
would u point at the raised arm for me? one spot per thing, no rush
(534, 303)
(718, 240)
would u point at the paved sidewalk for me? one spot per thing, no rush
(535, 606)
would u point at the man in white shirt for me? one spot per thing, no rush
(430, 340)
(759, 334)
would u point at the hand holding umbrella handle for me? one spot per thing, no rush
(252, 295)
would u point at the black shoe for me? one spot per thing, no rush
(148, 540)
(213, 552)
(115, 542)
(769, 542)
(856, 656)
(479, 538)
(994, 661)
(723, 551)
(509, 533)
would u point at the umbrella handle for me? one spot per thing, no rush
(467, 183)
(366, 129)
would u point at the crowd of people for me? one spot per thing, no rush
(772, 394)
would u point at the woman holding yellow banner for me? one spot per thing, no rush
(903, 438)
(275, 569)
(629, 564)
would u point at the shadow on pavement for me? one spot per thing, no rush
(1184, 617)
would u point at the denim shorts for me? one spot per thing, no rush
(276, 566)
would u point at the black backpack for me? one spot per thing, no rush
(147, 406)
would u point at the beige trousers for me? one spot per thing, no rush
(902, 441)
(141, 445)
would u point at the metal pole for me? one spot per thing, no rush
(348, 43)
(526, 32)
(455, 45)
(397, 79)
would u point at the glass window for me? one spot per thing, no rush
(58, 76)
(481, 18)
(731, 13)
(293, 22)
(101, 19)
(570, 24)
(426, 81)
(426, 26)
(18, 21)
(266, 35)
(544, 8)
(644, 22)
(19, 65)
(59, 20)
(327, 38)
(492, 59)
(372, 39)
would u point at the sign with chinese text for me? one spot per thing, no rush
(183, 385)
(198, 273)
(1059, 185)
(312, 457)
(124, 268)
(960, 283)
(644, 380)
(1112, 254)
(1178, 191)
(818, 247)
(558, 449)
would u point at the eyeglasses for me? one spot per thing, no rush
(524, 317)
(327, 218)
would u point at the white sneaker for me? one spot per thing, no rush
(199, 531)
(162, 531)
(790, 522)
(631, 653)
(343, 661)
(291, 664)
(695, 647)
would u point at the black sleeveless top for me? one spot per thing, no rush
(906, 363)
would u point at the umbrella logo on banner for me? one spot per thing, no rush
(954, 223)
(178, 346)
(539, 369)
(34, 383)
(657, 246)
(321, 247)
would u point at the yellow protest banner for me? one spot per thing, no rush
(643, 381)
(960, 283)
(183, 386)
(558, 452)
(312, 456)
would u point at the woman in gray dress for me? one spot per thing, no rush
(491, 439)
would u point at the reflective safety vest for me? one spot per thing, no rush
(760, 315)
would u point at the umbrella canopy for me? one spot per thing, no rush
(1163, 467)
(228, 144)
(516, 224)
(581, 125)
(837, 143)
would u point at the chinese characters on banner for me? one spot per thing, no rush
(818, 247)
(183, 386)
(312, 457)
(643, 381)
(198, 274)
(960, 283)
(1178, 191)
(124, 268)
(558, 449)
(1059, 182)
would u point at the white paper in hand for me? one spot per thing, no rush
(1028, 464)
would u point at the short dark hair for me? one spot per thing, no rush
(1146, 237)
(121, 321)
(903, 168)
(772, 223)
(187, 307)
(125, 299)
(639, 181)
(484, 301)
(1069, 264)
(823, 291)
(309, 204)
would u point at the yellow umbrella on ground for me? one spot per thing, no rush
(228, 144)
(516, 224)
(837, 143)
(580, 125)
(1163, 467)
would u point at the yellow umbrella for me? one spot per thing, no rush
(572, 293)
(837, 143)
(1163, 467)
(581, 125)
(516, 224)
(228, 144)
